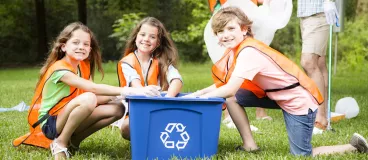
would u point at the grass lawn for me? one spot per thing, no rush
(18, 85)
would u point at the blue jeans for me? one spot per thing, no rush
(299, 127)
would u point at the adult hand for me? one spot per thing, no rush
(331, 12)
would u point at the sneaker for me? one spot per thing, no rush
(227, 120)
(359, 143)
(317, 131)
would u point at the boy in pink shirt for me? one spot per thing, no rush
(250, 63)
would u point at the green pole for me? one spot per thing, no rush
(329, 80)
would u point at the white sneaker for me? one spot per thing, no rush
(253, 128)
(317, 131)
(232, 126)
(227, 120)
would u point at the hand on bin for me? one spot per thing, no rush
(194, 94)
(331, 13)
(149, 91)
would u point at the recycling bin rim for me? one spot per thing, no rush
(191, 99)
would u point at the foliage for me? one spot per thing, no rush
(184, 19)
(124, 26)
(353, 45)
(287, 40)
(193, 34)
(18, 40)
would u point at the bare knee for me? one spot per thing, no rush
(322, 63)
(88, 100)
(230, 100)
(309, 64)
(118, 111)
(125, 130)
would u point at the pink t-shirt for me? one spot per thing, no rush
(253, 65)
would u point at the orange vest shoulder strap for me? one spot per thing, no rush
(212, 3)
(285, 64)
(132, 60)
(153, 72)
(222, 71)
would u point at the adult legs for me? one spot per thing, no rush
(315, 37)
(315, 67)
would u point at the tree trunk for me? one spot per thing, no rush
(41, 31)
(82, 11)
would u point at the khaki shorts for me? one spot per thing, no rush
(315, 32)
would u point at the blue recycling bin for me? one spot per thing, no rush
(163, 127)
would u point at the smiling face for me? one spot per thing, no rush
(78, 47)
(147, 39)
(232, 34)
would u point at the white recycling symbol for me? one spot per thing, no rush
(180, 144)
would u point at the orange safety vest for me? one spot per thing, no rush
(36, 137)
(212, 3)
(132, 60)
(222, 70)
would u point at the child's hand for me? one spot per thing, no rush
(189, 96)
(195, 94)
(150, 91)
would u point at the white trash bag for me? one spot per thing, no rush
(271, 16)
(347, 106)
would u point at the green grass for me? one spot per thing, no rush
(18, 85)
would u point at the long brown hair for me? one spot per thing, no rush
(166, 52)
(225, 15)
(56, 53)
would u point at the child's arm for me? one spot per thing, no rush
(175, 81)
(136, 83)
(204, 90)
(131, 76)
(103, 89)
(175, 87)
(227, 90)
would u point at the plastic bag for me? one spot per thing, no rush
(271, 16)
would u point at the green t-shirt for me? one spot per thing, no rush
(53, 91)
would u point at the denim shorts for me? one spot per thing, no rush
(299, 127)
(49, 128)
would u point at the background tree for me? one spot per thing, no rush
(82, 11)
(41, 30)
(20, 31)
